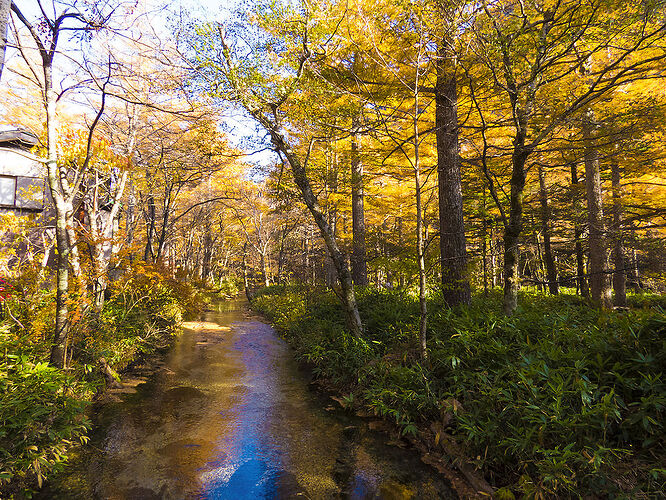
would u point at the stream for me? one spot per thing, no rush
(227, 414)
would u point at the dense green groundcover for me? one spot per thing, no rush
(557, 400)
(42, 408)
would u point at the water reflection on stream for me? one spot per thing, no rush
(229, 416)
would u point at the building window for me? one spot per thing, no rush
(29, 193)
(7, 191)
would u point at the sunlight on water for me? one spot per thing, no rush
(229, 416)
(204, 325)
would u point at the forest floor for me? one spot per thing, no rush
(557, 400)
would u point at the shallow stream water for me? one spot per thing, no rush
(228, 415)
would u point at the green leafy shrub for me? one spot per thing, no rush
(31, 305)
(389, 316)
(42, 409)
(569, 394)
(401, 392)
(332, 352)
(41, 415)
(558, 399)
(228, 287)
(139, 317)
(646, 299)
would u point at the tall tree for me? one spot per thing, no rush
(531, 50)
(453, 251)
(263, 82)
(600, 290)
(359, 258)
(63, 184)
(551, 270)
(5, 8)
(619, 271)
(581, 275)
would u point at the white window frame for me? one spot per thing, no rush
(15, 179)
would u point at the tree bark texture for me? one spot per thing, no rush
(64, 212)
(420, 254)
(358, 260)
(514, 227)
(484, 244)
(148, 254)
(207, 256)
(347, 296)
(101, 227)
(581, 280)
(493, 257)
(246, 281)
(599, 283)
(5, 6)
(264, 267)
(420, 244)
(620, 272)
(551, 269)
(455, 283)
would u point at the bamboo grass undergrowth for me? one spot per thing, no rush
(558, 399)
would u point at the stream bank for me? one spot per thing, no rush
(229, 415)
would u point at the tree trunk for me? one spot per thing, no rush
(455, 283)
(246, 281)
(522, 113)
(514, 227)
(635, 265)
(347, 296)
(59, 345)
(620, 272)
(358, 261)
(306, 250)
(540, 277)
(581, 280)
(63, 212)
(420, 246)
(96, 242)
(48, 241)
(129, 220)
(281, 252)
(5, 6)
(332, 208)
(484, 245)
(264, 267)
(551, 270)
(162, 239)
(493, 257)
(207, 256)
(101, 233)
(74, 258)
(100, 282)
(599, 283)
(187, 254)
(150, 230)
(401, 244)
(423, 308)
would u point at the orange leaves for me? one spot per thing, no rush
(73, 144)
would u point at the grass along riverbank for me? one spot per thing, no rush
(42, 408)
(556, 400)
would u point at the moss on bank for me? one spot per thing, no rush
(556, 400)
